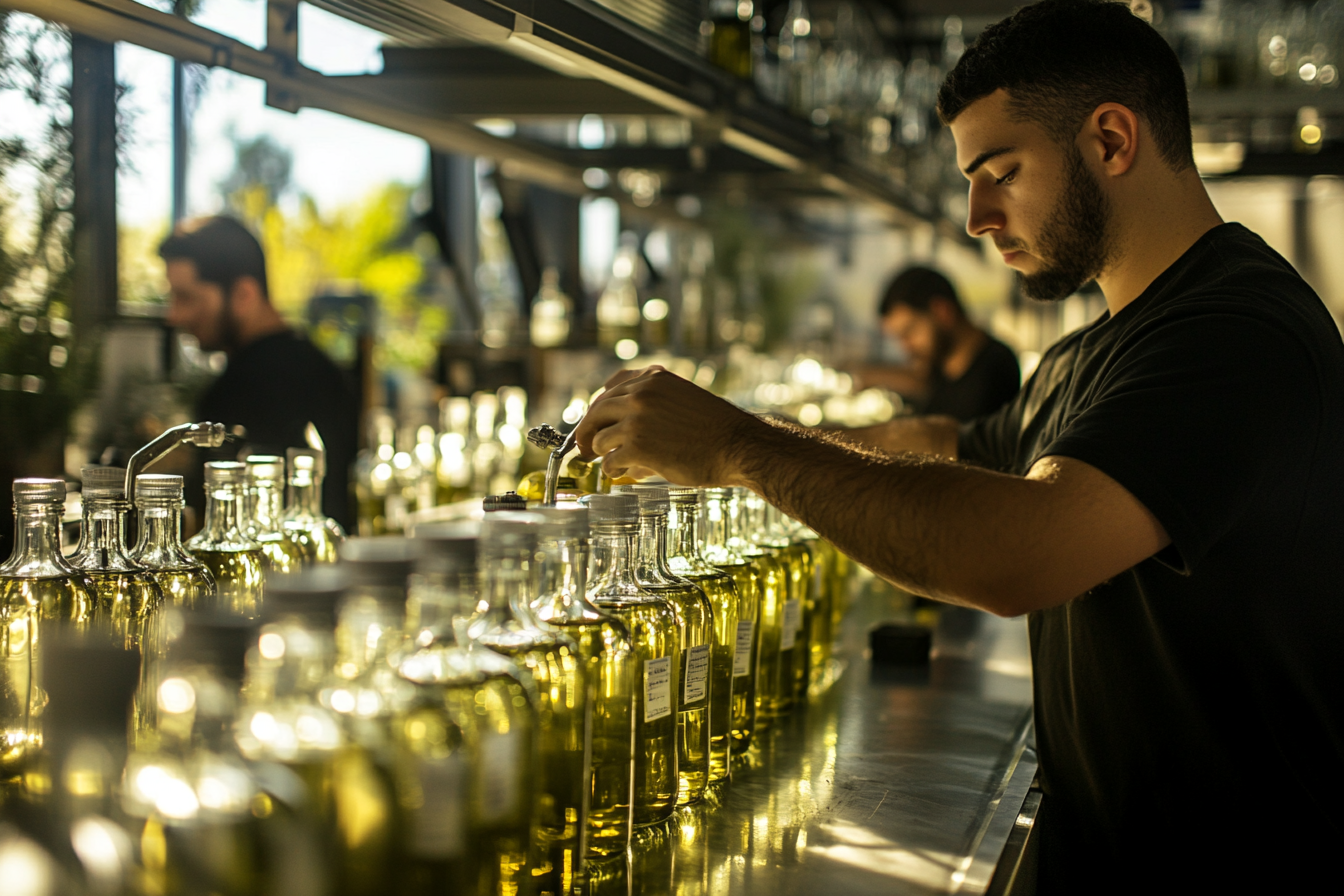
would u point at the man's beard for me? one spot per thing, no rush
(1074, 244)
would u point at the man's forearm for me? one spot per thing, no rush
(925, 435)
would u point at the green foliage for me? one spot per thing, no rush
(44, 369)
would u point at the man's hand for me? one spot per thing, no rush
(652, 422)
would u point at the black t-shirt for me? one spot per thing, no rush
(992, 379)
(276, 385)
(1190, 711)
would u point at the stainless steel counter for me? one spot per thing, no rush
(894, 781)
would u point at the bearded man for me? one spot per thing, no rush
(1161, 498)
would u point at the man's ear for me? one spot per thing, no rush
(1111, 136)
(246, 296)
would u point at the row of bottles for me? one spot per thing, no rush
(503, 707)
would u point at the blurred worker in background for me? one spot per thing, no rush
(276, 381)
(953, 367)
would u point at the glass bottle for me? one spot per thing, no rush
(234, 559)
(38, 588)
(796, 558)
(373, 473)
(185, 580)
(466, 736)
(128, 602)
(772, 699)
(265, 508)
(617, 308)
(504, 623)
(720, 550)
(605, 646)
(695, 618)
(656, 635)
(730, 39)
(683, 559)
(551, 312)
(303, 523)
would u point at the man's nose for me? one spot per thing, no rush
(982, 215)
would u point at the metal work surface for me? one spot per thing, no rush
(894, 781)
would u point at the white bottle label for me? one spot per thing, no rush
(501, 774)
(746, 633)
(793, 621)
(657, 688)
(437, 823)
(697, 674)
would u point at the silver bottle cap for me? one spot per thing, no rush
(569, 521)
(611, 509)
(39, 491)
(157, 486)
(265, 468)
(652, 498)
(509, 530)
(103, 482)
(225, 472)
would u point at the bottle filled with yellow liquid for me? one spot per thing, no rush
(504, 623)
(185, 581)
(719, 549)
(265, 490)
(695, 617)
(128, 602)
(774, 694)
(607, 652)
(39, 590)
(656, 636)
(684, 560)
(466, 738)
(771, 531)
(234, 558)
(318, 536)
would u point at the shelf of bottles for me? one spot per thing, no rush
(528, 703)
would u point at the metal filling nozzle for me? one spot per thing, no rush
(202, 435)
(547, 436)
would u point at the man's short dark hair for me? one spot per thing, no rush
(223, 250)
(1060, 59)
(915, 288)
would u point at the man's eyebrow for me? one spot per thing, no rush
(986, 156)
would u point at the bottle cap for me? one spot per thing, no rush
(224, 472)
(216, 639)
(684, 494)
(383, 561)
(506, 501)
(510, 530)
(39, 491)
(611, 509)
(265, 468)
(157, 486)
(307, 459)
(569, 521)
(447, 548)
(652, 499)
(103, 482)
(312, 592)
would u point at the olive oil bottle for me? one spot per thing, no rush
(656, 635)
(684, 559)
(466, 738)
(800, 604)
(318, 536)
(504, 623)
(720, 549)
(128, 602)
(234, 558)
(39, 590)
(265, 489)
(773, 697)
(696, 620)
(607, 652)
(185, 581)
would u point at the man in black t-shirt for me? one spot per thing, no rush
(955, 368)
(1161, 498)
(276, 382)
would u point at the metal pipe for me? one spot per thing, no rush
(202, 435)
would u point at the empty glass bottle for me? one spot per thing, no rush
(695, 618)
(265, 508)
(318, 536)
(185, 581)
(683, 558)
(656, 635)
(233, 557)
(720, 549)
(127, 598)
(605, 646)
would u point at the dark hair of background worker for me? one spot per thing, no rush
(276, 380)
(953, 367)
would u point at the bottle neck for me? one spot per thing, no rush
(305, 495)
(225, 515)
(160, 527)
(651, 550)
(613, 566)
(717, 519)
(37, 543)
(562, 591)
(740, 536)
(683, 537)
(102, 537)
(267, 505)
(368, 629)
(434, 600)
(506, 593)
